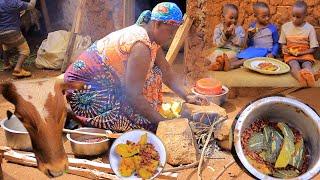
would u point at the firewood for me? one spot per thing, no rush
(80, 167)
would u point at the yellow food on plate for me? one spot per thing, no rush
(268, 66)
(141, 157)
(127, 150)
(293, 51)
(127, 166)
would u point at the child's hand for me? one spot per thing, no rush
(229, 31)
(270, 55)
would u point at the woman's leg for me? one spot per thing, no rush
(307, 73)
(296, 72)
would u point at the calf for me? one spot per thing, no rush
(41, 107)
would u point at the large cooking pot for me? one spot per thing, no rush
(287, 110)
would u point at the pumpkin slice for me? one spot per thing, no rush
(256, 142)
(297, 159)
(273, 144)
(143, 139)
(259, 166)
(287, 149)
(127, 166)
(209, 86)
(127, 150)
(285, 174)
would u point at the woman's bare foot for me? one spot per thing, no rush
(301, 80)
(317, 75)
(227, 63)
(218, 65)
(309, 77)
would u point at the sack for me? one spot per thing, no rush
(53, 49)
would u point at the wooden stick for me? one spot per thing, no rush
(107, 135)
(224, 169)
(192, 165)
(220, 120)
(89, 173)
(45, 15)
(76, 25)
(179, 39)
(80, 167)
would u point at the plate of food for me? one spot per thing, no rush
(137, 154)
(266, 65)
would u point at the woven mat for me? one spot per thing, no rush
(243, 77)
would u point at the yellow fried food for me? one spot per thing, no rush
(127, 150)
(144, 173)
(127, 167)
(143, 139)
(137, 161)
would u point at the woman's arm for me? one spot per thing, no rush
(170, 78)
(137, 69)
(174, 82)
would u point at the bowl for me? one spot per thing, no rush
(16, 134)
(216, 99)
(290, 111)
(81, 148)
(134, 136)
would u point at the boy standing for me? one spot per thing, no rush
(10, 33)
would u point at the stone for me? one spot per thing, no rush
(202, 113)
(179, 141)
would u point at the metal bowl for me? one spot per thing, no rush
(16, 134)
(287, 110)
(80, 148)
(216, 99)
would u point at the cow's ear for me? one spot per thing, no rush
(9, 92)
(70, 85)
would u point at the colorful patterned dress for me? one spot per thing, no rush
(102, 67)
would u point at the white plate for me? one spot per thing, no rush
(135, 136)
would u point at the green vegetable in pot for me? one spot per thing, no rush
(256, 142)
(287, 149)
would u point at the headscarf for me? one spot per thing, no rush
(166, 12)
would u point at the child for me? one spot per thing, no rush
(299, 42)
(262, 39)
(228, 37)
(10, 34)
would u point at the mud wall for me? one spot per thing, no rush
(100, 17)
(207, 13)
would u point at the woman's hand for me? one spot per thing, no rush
(197, 100)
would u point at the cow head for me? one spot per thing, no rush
(41, 107)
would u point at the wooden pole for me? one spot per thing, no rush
(111, 135)
(128, 12)
(45, 13)
(76, 25)
(179, 39)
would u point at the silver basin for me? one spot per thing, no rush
(80, 148)
(290, 111)
(16, 134)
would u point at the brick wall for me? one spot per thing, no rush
(206, 14)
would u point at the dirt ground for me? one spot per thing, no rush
(212, 167)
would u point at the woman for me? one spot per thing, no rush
(123, 73)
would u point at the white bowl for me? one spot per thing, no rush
(134, 136)
(216, 99)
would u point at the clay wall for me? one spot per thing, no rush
(100, 17)
(207, 13)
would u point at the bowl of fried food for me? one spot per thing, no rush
(137, 154)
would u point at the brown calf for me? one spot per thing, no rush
(41, 107)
